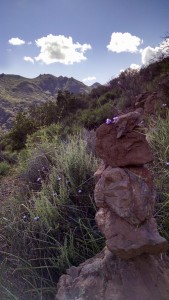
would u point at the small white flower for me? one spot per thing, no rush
(59, 178)
(24, 217)
(167, 164)
(36, 218)
(108, 121)
(164, 105)
(79, 191)
(39, 179)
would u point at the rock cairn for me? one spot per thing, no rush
(124, 192)
(129, 267)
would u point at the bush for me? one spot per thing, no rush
(92, 118)
(4, 168)
(22, 127)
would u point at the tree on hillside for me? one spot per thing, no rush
(67, 103)
(23, 126)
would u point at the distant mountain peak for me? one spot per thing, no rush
(17, 93)
(95, 85)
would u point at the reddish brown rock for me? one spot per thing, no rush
(106, 277)
(100, 170)
(124, 270)
(149, 102)
(126, 240)
(127, 192)
(130, 149)
(144, 173)
(127, 122)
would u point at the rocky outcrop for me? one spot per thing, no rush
(149, 102)
(106, 277)
(125, 197)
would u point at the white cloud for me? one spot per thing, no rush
(124, 42)
(16, 41)
(58, 48)
(30, 43)
(89, 78)
(28, 58)
(150, 54)
(164, 46)
(135, 67)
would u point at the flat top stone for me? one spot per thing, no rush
(119, 146)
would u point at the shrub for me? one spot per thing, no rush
(92, 118)
(22, 127)
(4, 168)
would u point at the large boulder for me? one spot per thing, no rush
(122, 142)
(126, 240)
(106, 277)
(127, 192)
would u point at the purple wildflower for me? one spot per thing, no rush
(167, 164)
(36, 218)
(108, 121)
(115, 119)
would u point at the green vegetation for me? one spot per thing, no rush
(4, 168)
(158, 136)
(47, 166)
(18, 94)
(48, 224)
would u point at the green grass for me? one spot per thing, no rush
(48, 225)
(4, 168)
(158, 137)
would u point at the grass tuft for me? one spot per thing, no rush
(49, 225)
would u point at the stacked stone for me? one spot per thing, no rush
(125, 269)
(124, 191)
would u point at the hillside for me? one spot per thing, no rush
(47, 163)
(18, 93)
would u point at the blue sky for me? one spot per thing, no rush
(90, 40)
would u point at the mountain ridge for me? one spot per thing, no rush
(17, 93)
